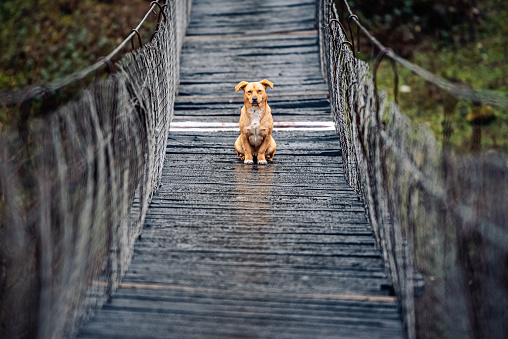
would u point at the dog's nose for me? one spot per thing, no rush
(254, 99)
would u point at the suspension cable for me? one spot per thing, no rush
(8, 98)
(484, 96)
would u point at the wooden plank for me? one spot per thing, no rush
(230, 250)
(233, 17)
(290, 62)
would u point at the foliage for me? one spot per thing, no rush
(406, 23)
(464, 41)
(44, 40)
(460, 40)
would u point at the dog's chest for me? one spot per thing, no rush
(255, 115)
(255, 119)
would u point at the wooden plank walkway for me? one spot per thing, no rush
(237, 251)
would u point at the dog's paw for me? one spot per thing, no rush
(262, 162)
(248, 162)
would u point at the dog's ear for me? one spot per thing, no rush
(241, 85)
(266, 83)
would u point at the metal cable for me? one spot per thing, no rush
(483, 96)
(76, 184)
(8, 98)
(428, 207)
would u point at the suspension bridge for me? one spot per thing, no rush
(155, 229)
(229, 250)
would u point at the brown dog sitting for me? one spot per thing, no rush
(256, 124)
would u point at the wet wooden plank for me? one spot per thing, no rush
(230, 250)
(239, 17)
(291, 62)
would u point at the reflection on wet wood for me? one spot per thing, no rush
(233, 250)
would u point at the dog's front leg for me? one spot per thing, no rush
(262, 150)
(249, 159)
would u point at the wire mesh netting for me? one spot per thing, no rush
(432, 211)
(76, 184)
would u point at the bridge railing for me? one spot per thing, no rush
(432, 211)
(76, 183)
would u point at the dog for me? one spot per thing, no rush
(256, 124)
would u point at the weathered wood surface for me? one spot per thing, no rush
(231, 250)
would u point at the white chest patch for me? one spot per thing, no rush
(255, 118)
(255, 115)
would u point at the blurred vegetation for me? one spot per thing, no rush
(463, 41)
(466, 42)
(43, 40)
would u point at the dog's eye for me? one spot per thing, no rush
(250, 92)
(259, 91)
